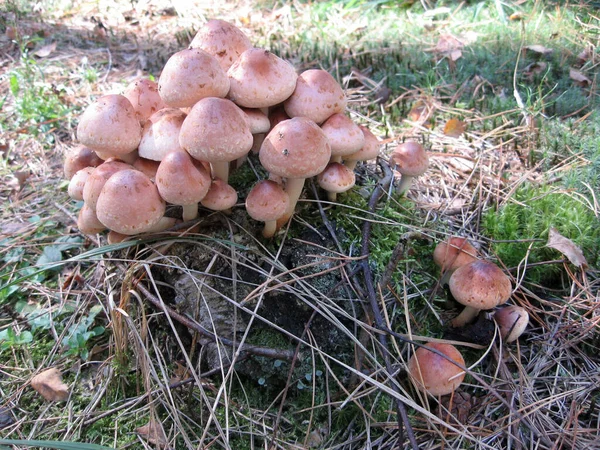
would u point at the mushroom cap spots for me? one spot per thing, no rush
(267, 201)
(411, 159)
(129, 203)
(317, 96)
(216, 130)
(191, 75)
(110, 125)
(480, 285)
(433, 373)
(295, 148)
(259, 79)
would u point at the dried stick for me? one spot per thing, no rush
(195, 326)
(380, 189)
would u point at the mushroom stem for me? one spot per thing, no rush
(351, 164)
(336, 158)
(332, 196)
(269, 229)
(190, 212)
(466, 316)
(404, 184)
(293, 187)
(220, 170)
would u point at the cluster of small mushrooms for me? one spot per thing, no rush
(478, 285)
(174, 142)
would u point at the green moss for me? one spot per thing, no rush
(519, 230)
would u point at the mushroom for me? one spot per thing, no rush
(335, 179)
(267, 202)
(161, 134)
(452, 253)
(370, 149)
(433, 373)
(77, 183)
(216, 131)
(78, 158)
(345, 137)
(220, 197)
(295, 149)
(109, 125)
(223, 40)
(87, 221)
(317, 96)
(411, 160)
(129, 203)
(260, 79)
(512, 321)
(191, 75)
(478, 285)
(143, 95)
(95, 181)
(181, 182)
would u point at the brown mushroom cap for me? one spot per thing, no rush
(456, 251)
(143, 95)
(343, 134)
(267, 201)
(259, 79)
(512, 321)
(221, 39)
(129, 203)
(480, 285)
(88, 222)
(161, 134)
(295, 148)
(370, 149)
(77, 183)
(78, 158)
(215, 130)
(220, 197)
(95, 182)
(110, 125)
(336, 178)
(411, 159)
(180, 181)
(257, 120)
(433, 373)
(147, 166)
(190, 75)
(317, 96)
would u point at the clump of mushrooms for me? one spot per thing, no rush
(214, 102)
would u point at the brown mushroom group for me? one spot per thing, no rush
(213, 103)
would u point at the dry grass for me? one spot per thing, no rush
(153, 366)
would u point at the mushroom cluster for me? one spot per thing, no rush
(174, 141)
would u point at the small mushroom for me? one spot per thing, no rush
(109, 125)
(345, 137)
(78, 158)
(160, 134)
(370, 149)
(452, 253)
(191, 75)
(295, 149)
(260, 79)
(220, 197)
(411, 160)
(96, 179)
(433, 373)
(129, 203)
(181, 182)
(77, 183)
(512, 321)
(267, 202)
(143, 95)
(335, 179)
(317, 96)
(478, 285)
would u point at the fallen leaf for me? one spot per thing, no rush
(567, 247)
(534, 69)
(153, 432)
(540, 49)
(579, 78)
(420, 112)
(18, 181)
(454, 55)
(49, 385)
(584, 56)
(454, 128)
(46, 50)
